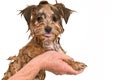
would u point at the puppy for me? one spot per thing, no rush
(45, 24)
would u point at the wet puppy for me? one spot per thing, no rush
(45, 24)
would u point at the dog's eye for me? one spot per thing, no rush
(39, 19)
(54, 18)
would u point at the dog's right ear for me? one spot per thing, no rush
(27, 12)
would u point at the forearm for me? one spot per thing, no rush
(28, 72)
(51, 61)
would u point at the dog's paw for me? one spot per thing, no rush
(78, 66)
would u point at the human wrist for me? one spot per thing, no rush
(39, 62)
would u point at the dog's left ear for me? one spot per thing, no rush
(64, 12)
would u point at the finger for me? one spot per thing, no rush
(74, 72)
(66, 57)
(71, 71)
(60, 55)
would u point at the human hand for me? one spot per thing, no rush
(53, 62)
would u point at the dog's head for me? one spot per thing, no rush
(45, 20)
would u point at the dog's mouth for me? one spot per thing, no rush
(48, 35)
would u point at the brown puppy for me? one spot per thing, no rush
(45, 24)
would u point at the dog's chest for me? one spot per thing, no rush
(54, 46)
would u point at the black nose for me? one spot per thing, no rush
(48, 29)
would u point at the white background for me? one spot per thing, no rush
(92, 35)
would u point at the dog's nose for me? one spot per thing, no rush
(48, 29)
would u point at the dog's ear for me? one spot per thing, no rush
(43, 2)
(27, 12)
(64, 12)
